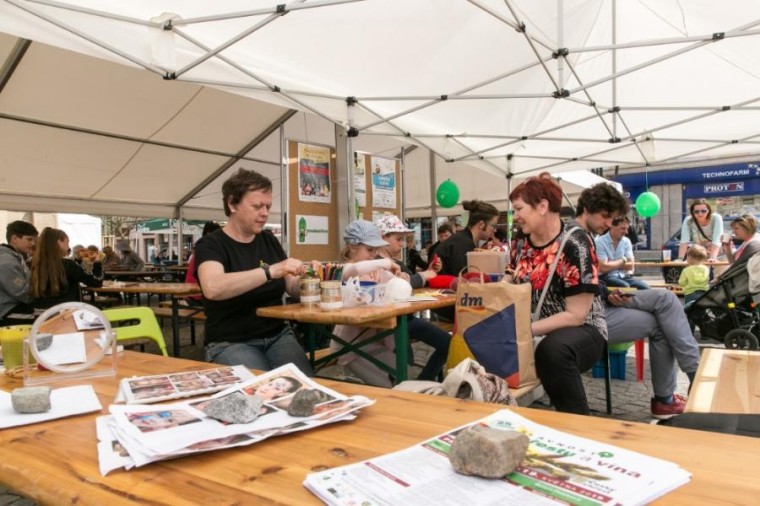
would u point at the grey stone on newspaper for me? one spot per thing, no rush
(303, 402)
(31, 399)
(490, 453)
(235, 408)
(44, 341)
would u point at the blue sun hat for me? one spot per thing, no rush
(364, 232)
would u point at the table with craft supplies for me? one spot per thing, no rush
(391, 318)
(177, 291)
(56, 462)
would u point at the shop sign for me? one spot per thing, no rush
(725, 187)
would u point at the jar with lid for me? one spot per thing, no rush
(332, 295)
(310, 295)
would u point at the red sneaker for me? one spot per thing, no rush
(663, 411)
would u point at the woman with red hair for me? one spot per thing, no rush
(570, 316)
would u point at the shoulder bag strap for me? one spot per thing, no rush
(552, 269)
(699, 227)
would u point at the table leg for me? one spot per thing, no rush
(402, 347)
(175, 326)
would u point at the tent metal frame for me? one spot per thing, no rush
(568, 84)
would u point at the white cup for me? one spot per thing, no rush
(725, 238)
(666, 255)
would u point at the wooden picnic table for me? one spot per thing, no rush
(56, 462)
(391, 317)
(727, 381)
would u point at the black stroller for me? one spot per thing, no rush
(728, 312)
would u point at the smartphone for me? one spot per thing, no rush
(432, 260)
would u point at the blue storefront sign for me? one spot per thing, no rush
(711, 182)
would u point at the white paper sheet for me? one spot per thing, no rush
(64, 402)
(65, 349)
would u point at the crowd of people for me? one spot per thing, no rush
(575, 267)
(39, 270)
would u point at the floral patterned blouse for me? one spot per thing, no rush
(577, 272)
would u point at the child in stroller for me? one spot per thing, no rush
(728, 312)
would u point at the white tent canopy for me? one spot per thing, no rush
(507, 86)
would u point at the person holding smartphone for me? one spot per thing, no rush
(654, 314)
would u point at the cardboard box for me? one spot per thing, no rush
(489, 262)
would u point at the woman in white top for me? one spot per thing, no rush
(702, 226)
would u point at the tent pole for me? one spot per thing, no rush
(614, 67)
(433, 206)
(284, 188)
(509, 202)
(561, 42)
(180, 238)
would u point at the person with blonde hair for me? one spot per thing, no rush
(744, 228)
(694, 279)
(393, 231)
(363, 240)
(55, 279)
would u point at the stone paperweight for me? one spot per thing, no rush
(490, 453)
(31, 399)
(235, 408)
(44, 341)
(303, 402)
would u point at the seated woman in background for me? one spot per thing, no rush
(56, 279)
(744, 228)
(393, 231)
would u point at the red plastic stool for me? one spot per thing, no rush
(639, 350)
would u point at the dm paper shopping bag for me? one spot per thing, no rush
(493, 328)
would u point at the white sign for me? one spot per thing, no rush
(312, 229)
(383, 182)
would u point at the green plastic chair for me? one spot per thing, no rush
(146, 328)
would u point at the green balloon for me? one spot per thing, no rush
(648, 204)
(447, 194)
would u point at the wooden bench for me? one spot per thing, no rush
(677, 290)
(726, 382)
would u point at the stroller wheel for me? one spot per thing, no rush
(740, 339)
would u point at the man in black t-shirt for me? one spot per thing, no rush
(243, 267)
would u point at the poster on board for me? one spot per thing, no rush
(360, 182)
(313, 173)
(383, 182)
(312, 229)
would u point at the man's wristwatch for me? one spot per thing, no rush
(267, 273)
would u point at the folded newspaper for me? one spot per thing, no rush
(559, 468)
(137, 434)
(164, 387)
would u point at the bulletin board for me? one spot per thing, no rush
(382, 194)
(312, 202)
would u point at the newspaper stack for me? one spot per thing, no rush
(164, 387)
(559, 468)
(138, 434)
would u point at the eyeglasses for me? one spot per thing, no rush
(700, 211)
